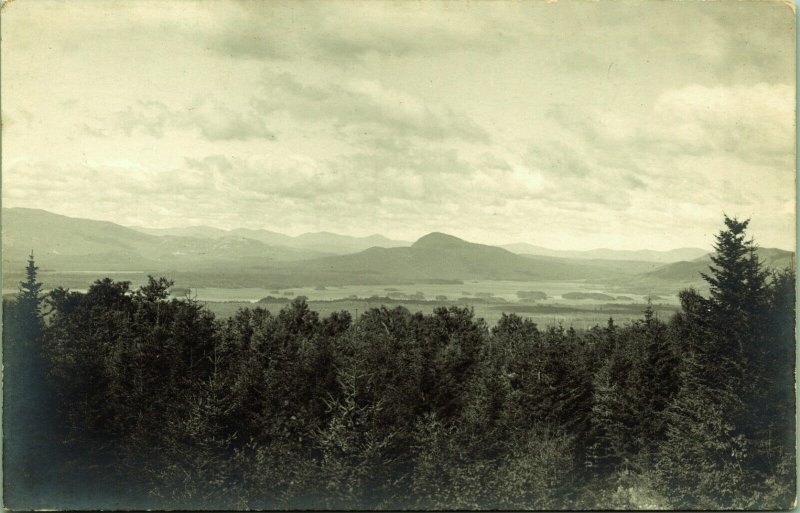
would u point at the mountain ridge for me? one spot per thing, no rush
(688, 271)
(65, 244)
(440, 256)
(317, 240)
(63, 241)
(647, 255)
(322, 241)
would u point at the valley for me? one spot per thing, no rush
(227, 270)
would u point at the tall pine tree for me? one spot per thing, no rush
(709, 458)
(28, 421)
(29, 298)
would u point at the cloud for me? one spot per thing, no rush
(349, 110)
(148, 118)
(705, 145)
(391, 184)
(337, 33)
(129, 194)
(364, 178)
(364, 106)
(296, 193)
(693, 41)
(754, 122)
(41, 183)
(218, 122)
(212, 119)
(559, 158)
(754, 52)
(499, 120)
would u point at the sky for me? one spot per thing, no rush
(570, 125)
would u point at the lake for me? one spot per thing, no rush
(500, 290)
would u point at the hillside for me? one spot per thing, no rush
(641, 255)
(67, 243)
(74, 251)
(603, 266)
(318, 242)
(203, 232)
(688, 273)
(438, 256)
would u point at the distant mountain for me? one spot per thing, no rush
(442, 241)
(689, 272)
(627, 267)
(642, 255)
(209, 232)
(265, 236)
(59, 238)
(205, 256)
(320, 242)
(66, 243)
(335, 243)
(771, 257)
(204, 232)
(439, 256)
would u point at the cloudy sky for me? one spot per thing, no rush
(569, 125)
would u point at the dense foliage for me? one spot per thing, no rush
(160, 404)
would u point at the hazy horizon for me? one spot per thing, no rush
(565, 125)
(377, 234)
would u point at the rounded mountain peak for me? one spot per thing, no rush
(437, 240)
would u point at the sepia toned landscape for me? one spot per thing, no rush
(398, 256)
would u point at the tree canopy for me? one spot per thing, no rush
(158, 402)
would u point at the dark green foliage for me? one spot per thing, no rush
(28, 419)
(728, 423)
(29, 298)
(161, 404)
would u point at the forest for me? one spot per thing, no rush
(130, 398)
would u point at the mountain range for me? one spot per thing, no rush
(442, 257)
(320, 242)
(67, 243)
(686, 272)
(642, 255)
(204, 256)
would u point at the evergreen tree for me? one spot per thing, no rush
(715, 426)
(29, 299)
(28, 421)
(739, 307)
(738, 285)
(737, 279)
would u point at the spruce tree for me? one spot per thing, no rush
(28, 421)
(710, 457)
(27, 311)
(738, 286)
(739, 297)
(30, 291)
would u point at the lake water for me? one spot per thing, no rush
(502, 290)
